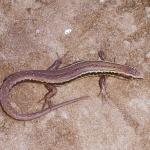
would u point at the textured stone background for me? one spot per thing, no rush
(32, 31)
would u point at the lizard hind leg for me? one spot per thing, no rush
(47, 97)
(55, 65)
(57, 62)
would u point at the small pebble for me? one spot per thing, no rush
(68, 31)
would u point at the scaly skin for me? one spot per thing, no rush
(59, 76)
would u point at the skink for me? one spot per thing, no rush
(56, 75)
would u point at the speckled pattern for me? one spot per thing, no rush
(34, 32)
